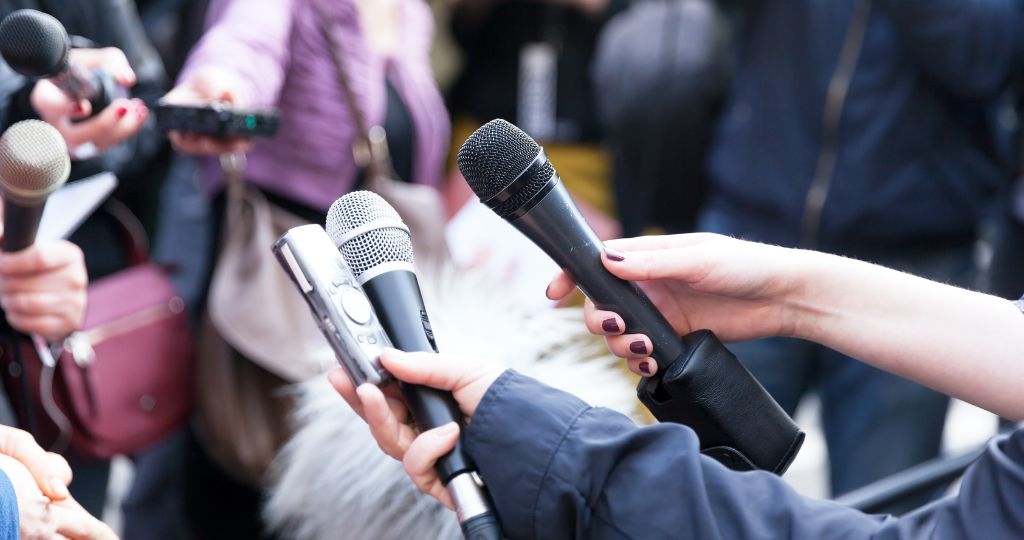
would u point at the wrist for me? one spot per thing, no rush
(805, 297)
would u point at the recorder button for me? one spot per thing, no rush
(356, 306)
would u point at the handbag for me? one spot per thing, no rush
(421, 207)
(124, 380)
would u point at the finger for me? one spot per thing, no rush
(560, 287)
(120, 120)
(630, 346)
(423, 454)
(116, 64)
(40, 258)
(341, 382)
(36, 303)
(49, 327)
(602, 323)
(51, 472)
(644, 367)
(433, 370)
(687, 264)
(75, 523)
(204, 145)
(660, 241)
(391, 435)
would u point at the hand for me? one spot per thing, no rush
(46, 509)
(43, 289)
(389, 419)
(118, 121)
(205, 86)
(738, 289)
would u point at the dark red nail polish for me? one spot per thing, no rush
(121, 111)
(610, 325)
(638, 347)
(614, 255)
(645, 367)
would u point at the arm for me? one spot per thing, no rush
(959, 342)
(971, 46)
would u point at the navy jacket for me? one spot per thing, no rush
(915, 161)
(557, 468)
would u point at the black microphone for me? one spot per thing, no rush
(33, 164)
(377, 247)
(36, 45)
(699, 382)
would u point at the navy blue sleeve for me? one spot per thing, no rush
(9, 523)
(557, 468)
(970, 46)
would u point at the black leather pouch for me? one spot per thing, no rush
(737, 421)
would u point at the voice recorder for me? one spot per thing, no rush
(338, 303)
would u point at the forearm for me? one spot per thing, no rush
(965, 344)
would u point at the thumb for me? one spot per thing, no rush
(50, 471)
(429, 369)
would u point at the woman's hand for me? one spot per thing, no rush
(206, 86)
(118, 121)
(40, 478)
(43, 289)
(389, 419)
(740, 290)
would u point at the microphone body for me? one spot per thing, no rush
(395, 296)
(33, 164)
(556, 225)
(36, 45)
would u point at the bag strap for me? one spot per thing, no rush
(370, 149)
(134, 237)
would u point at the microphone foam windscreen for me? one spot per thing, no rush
(34, 161)
(33, 43)
(494, 156)
(376, 246)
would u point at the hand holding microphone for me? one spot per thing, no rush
(42, 287)
(79, 91)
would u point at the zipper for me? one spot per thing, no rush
(80, 344)
(835, 101)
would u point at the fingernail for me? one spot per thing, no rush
(58, 488)
(449, 428)
(638, 347)
(645, 367)
(547, 292)
(78, 108)
(610, 325)
(614, 254)
(121, 111)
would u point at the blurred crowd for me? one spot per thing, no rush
(882, 130)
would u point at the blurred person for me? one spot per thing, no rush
(529, 62)
(575, 470)
(275, 55)
(863, 128)
(34, 500)
(122, 138)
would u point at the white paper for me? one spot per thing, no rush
(68, 207)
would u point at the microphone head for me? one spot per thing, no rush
(368, 232)
(34, 162)
(496, 155)
(33, 43)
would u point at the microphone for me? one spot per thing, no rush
(699, 382)
(36, 45)
(378, 249)
(33, 164)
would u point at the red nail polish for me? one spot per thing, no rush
(614, 255)
(610, 325)
(638, 347)
(121, 111)
(645, 367)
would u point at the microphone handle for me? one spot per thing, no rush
(556, 225)
(79, 83)
(20, 225)
(393, 294)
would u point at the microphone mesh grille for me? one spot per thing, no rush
(33, 43)
(33, 161)
(372, 248)
(494, 155)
